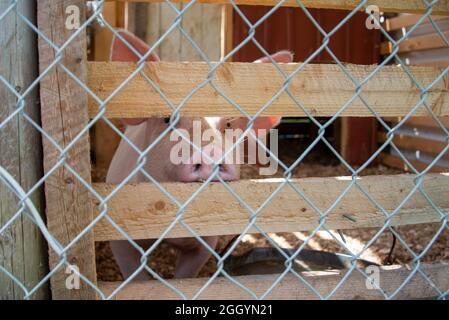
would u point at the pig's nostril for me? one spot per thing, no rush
(203, 171)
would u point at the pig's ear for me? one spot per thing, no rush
(121, 52)
(283, 56)
(265, 123)
(268, 123)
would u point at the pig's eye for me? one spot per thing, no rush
(228, 124)
(167, 120)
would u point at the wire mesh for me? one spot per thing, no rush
(25, 206)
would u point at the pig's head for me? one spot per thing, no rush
(197, 165)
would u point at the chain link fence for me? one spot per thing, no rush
(26, 208)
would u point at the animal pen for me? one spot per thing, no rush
(60, 98)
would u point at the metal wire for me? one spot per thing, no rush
(26, 207)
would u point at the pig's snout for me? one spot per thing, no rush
(201, 167)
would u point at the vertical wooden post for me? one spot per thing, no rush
(102, 36)
(105, 140)
(227, 28)
(22, 249)
(153, 25)
(64, 115)
(138, 19)
(358, 140)
(116, 14)
(122, 9)
(170, 48)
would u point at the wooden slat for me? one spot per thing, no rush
(102, 36)
(191, 23)
(406, 20)
(441, 64)
(122, 10)
(410, 6)
(104, 140)
(386, 48)
(153, 25)
(170, 48)
(416, 143)
(227, 30)
(396, 162)
(426, 57)
(322, 89)
(423, 29)
(210, 30)
(144, 212)
(203, 24)
(429, 41)
(426, 122)
(290, 287)
(64, 115)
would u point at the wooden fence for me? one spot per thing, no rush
(66, 109)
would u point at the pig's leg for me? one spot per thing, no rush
(128, 258)
(190, 261)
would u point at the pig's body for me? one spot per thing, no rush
(144, 132)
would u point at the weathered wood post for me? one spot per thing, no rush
(64, 115)
(22, 249)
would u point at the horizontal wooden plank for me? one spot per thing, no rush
(423, 29)
(429, 41)
(406, 20)
(442, 64)
(431, 57)
(144, 212)
(416, 144)
(290, 287)
(425, 158)
(321, 88)
(426, 122)
(409, 6)
(386, 48)
(396, 162)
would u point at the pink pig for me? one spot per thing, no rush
(192, 255)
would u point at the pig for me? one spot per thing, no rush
(192, 255)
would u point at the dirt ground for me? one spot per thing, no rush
(162, 260)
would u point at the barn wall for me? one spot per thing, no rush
(290, 28)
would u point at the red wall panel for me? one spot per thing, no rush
(290, 28)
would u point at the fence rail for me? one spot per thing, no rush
(289, 287)
(409, 6)
(415, 143)
(320, 90)
(406, 20)
(144, 212)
